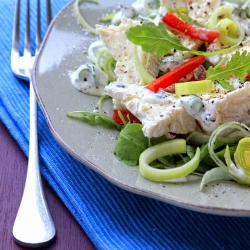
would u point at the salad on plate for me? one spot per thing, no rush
(178, 74)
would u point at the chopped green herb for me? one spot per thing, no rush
(239, 66)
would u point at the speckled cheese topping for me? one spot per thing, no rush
(163, 113)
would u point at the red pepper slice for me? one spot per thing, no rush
(248, 77)
(176, 74)
(128, 116)
(196, 32)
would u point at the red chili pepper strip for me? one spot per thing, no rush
(176, 74)
(128, 116)
(196, 32)
(248, 77)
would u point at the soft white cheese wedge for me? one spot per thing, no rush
(157, 112)
(115, 39)
(222, 108)
(163, 113)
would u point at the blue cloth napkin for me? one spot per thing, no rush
(112, 218)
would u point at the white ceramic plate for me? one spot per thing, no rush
(63, 51)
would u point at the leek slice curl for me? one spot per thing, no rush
(214, 174)
(175, 146)
(95, 46)
(79, 16)
(231, 31)
(101, 56)
(240, 171)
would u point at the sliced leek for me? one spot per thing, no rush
(236, 172)
(79, 16)
(93, 50)
(231, 31)
(215, 174)
(242, 155)
(176, 146)
(101, 56)
(147, 78)
(194, 87)
(108, 18)
(240, 170)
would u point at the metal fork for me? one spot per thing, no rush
(33, 226)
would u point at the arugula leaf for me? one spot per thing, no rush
(94, 118)
(239, 66)
(154, 39)
(130, 144)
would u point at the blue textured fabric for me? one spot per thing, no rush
(112, 218)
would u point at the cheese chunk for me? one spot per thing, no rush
(157, 112)
(115, 39)
(163, 113)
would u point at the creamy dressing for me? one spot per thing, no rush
(204, 113)
(125, 12)
(160, 97)
(192, 104)
(139, 7)
(89, 79)
(169, 62)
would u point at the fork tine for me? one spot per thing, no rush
(15, 36)
(49, 12)
(38, 28)
(49, 18)
(27, 48)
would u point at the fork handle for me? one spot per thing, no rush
(33, 226)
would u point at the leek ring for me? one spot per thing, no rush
(175, 146)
